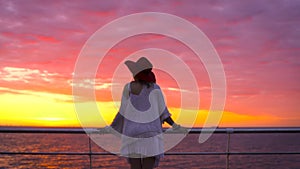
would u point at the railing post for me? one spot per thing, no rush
(90, 151)
(229, 131)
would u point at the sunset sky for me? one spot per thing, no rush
(258, 43)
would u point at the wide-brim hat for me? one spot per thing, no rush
(138, 66)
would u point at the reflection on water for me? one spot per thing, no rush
(217, 143)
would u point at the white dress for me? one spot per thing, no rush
(140, 121)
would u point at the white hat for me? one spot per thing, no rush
(138, 66)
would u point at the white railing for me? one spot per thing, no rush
(90, 153)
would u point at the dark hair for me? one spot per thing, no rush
(146, 77)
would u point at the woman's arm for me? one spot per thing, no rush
(118, 121)
(169, 120)
(165, 116)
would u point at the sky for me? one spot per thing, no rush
(258, 43)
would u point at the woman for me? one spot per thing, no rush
(140, 117)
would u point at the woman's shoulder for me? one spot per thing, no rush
(133, 85)
(156, 86)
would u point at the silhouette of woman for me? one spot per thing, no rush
(140, 117)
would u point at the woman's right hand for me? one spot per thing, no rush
(105, 130)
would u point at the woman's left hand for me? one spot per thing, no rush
(177, 128)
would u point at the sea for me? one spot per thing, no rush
(43, 142)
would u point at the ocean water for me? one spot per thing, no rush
(12, 142)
